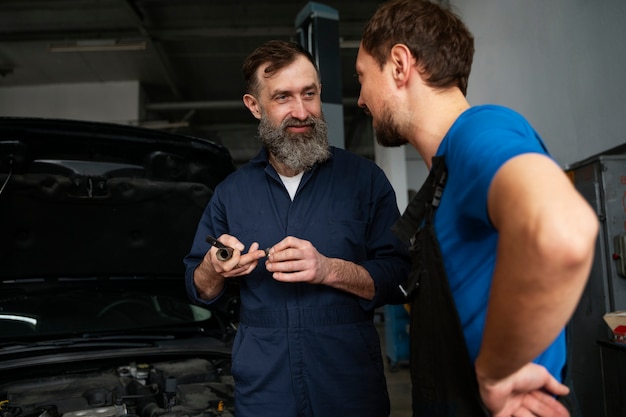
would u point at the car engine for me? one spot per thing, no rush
(189, 387)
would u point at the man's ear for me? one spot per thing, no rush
(402, 62)
(253, 105)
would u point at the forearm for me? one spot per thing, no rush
(209, 284)
(536, 287)
(546, 241)
(349, 277)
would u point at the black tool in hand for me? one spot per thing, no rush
(224, 252)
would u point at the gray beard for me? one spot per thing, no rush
(298, 151)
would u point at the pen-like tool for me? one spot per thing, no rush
(224, 252)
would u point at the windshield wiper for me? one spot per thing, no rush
(87, 341)
(117, 338)
(117, 335)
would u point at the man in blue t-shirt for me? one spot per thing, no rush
(516, 240)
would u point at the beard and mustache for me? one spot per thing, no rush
(298, 151)
(301, 151)
(387, 133)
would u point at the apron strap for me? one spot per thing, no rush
(411, 220)
(443, 379)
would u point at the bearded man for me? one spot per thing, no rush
(306, 344)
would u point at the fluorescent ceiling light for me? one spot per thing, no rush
(160, 124)
(98, 45)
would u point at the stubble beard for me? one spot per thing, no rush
(387, 133)
(298, 151)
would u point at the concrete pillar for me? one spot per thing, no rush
(317, 27)
(393, 162)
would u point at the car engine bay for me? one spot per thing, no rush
(189, 387)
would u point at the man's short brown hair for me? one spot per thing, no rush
(441, 44)
(278, 54)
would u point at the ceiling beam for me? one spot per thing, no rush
(214, 105)
(166, 66)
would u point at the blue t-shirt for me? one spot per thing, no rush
(480, 141)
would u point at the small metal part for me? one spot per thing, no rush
(224, 252)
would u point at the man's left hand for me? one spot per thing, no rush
(530, 391)
(296, 260)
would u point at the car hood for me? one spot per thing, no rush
(85, 199)
(94, 318)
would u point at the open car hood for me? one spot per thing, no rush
(94, 318)
(96, 199)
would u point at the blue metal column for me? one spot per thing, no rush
(317, 27)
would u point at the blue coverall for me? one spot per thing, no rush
(303, 349)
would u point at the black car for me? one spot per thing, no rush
(95, 220)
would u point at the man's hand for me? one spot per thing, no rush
(239, 263)
(209, 276)
(528, 392)
(297, 260)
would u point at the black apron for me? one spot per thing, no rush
(442, 374)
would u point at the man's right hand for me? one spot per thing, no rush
(240, 263)
(209, 276)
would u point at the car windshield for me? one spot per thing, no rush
(92, 309)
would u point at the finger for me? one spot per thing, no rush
(555, 387)
(237, 268)
(282, 245)
(288, 266)
(522, 412)
(282, 256)
(249, 261)
(286, 243)
(232, 242)
(289, 276)
(255, 252)
(543, 404)
(250, 267)
(251, 256)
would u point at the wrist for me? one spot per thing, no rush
(207, 281)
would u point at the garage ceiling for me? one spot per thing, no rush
(187, 54)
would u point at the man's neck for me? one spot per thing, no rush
(435, 122)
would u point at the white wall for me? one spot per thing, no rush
(117, 102)
(561, 63)
(393, 162)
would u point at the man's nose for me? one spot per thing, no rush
(299, 110)
(362, 105)
(359, 102)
